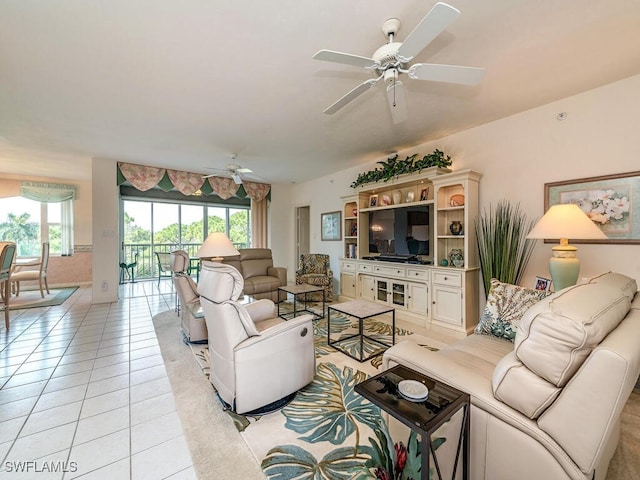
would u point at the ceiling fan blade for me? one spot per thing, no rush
(346, 58)
(432, 25)
(244, 170)
(397, 101)
(352, 95)
(446, 73)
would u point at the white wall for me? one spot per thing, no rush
(105, 231)
(517, 155)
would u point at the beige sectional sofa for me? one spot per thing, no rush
(546, 406)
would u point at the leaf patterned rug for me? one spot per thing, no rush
(329, 431)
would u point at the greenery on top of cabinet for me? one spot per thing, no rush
(393, 167)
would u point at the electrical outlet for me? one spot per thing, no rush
(105, 286)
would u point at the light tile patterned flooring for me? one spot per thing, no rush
(84, 391)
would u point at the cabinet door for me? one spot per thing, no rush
(348, 284)
(418, 298)
(398, 294)
(447, 304)
(383, 290)
(367, 288)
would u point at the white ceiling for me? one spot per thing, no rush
(184, 84)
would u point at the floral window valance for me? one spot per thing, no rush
(47, 192)
(143, 178)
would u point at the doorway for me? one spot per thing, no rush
(303, 228)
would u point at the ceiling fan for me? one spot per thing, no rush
(394, 58)
(231, 170)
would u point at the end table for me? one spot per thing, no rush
(424, 417)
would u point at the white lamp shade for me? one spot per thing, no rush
(564, 221)
(216, 245)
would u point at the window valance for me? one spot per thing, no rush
(144, 178)
(47, 192)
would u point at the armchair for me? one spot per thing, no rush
(256, 357)
(315, 269)
(188, 304)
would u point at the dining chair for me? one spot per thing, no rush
(164, 265)
(31, 275)
(7, 255)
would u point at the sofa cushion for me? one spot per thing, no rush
(318, 279)
(556, 335)
(260, 284)
(505, 306)
(628, 285)
(520, 388)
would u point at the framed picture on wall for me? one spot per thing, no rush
(610, 201)
(331, 226)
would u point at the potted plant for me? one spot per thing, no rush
(503, 247)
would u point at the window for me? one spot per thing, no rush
(150, 226)
(29, 223)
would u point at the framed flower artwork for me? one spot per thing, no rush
(612, 202)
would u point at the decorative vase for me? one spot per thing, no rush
(355, 212)
(456, 258)
(410, 196)
(397, 197)
(455, 228)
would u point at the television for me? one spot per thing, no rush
(400, 231)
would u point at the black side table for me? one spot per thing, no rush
(424, 417)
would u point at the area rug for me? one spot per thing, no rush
(328, 430)
(33, 299)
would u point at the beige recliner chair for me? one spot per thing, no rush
(191, 316)
(256, 357)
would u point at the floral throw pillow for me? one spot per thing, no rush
(505, 306)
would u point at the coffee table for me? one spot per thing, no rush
(301, 289)
(424, 416)
(361, 310)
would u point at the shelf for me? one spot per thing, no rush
(450, 236)
(354, 237)
(450, 209)
(397, 205)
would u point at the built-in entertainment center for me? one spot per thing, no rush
(407, 245)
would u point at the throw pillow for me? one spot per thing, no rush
(505, 306)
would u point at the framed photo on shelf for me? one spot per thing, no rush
(424, 194)
(373, 201)
(542, 283)
(607, 200)
(331, 226)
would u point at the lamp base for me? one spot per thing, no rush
(564, 266)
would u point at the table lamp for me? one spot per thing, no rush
(216, 246)
(561, 222)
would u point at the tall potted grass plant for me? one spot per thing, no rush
(503, 247)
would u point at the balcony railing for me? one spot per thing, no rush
(147, 263)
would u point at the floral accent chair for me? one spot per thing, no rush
(315, 269)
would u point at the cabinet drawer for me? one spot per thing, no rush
(453, 279)
(415, 274)
(365, 267)
(348, 267)
(389, 271)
